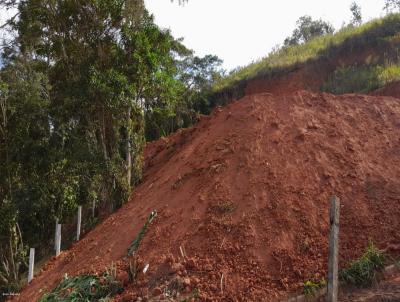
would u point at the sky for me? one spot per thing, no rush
(242, 31)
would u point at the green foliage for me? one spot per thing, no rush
(81, 86)
(189, 95)
(283, 60)
(391, 5)
(308, 29)
(361, 79)
(13, 258)
(362, 271)
(310, 288)
(84, 288)
(356, 14)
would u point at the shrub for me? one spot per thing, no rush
(310, 288)
(363, 271)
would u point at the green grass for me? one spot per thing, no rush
(362, 272)
(360, 79)
(375, 33)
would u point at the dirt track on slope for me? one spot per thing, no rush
(245, 192)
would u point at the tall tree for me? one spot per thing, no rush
(76, 83)
(307, 29)
(356, 14)
(82, 82)
(391, 5)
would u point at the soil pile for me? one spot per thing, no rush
(245, 195)
(392, 89)
(386, 291)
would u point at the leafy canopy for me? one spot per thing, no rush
(307, 29)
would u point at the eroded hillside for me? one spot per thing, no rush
(245, 193)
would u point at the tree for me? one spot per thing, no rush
(24, 152)
(356, 14)
(82, 82)
(391, 5)
(191, 95)
(76, 84)
(307, 29)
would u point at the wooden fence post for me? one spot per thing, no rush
(31, 264)
(78, 225)
(333, 261)
(58, 239)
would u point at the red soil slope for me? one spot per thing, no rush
(385, 291)
(245, 193)
(392, 89)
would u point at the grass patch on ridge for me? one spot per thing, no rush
(371, 34)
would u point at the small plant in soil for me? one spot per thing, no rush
(311, 288)
(362, 272)
(85, 288)
(225, 207)
(193, 296)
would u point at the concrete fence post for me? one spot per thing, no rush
(31, 264)
(55, 235)
(333, 261)
(78, 225)
(58, 239)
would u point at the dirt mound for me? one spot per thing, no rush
(245, 194)
(386, 291)
(392, 89)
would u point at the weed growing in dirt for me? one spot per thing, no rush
(362, 271)
(311, 288)
(84, 288)
(193, 296)
(225, 207)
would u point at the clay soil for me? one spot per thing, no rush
(386, 291)
(392, 89)
(245, 194)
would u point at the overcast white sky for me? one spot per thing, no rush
(240, 31)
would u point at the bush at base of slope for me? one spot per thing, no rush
(362, 271)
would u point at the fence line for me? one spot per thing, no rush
(334, 213)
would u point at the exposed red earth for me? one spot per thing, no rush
(392, 89)
(245, 193)
(385, 291)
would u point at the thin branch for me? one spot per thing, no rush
(9, 21)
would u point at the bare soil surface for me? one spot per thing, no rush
(386, 291)
(245, 193)
(392, 89)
